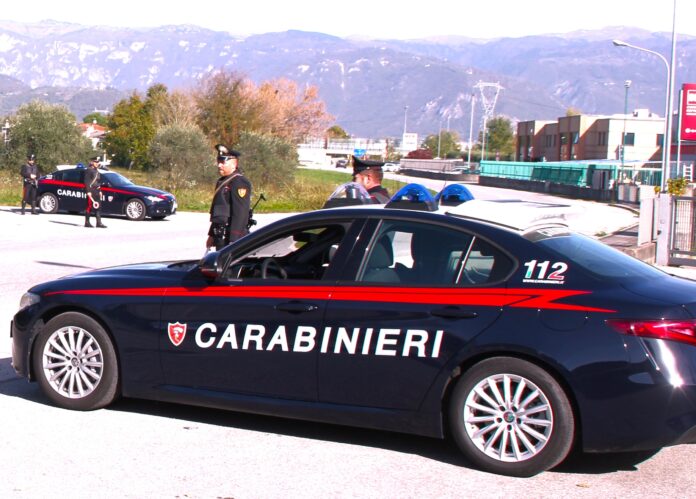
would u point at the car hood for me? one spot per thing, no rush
(139, 189)
(137, 276)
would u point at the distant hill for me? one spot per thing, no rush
(366, 84)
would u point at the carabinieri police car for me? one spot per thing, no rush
(64, 190)
(505, 331)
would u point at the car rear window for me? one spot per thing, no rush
(595, 257)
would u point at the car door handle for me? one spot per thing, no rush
(454, 313)
(296, 307)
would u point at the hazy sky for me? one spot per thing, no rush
(373, 18)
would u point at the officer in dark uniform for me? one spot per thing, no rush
(369, 174)
(94, 193)
(30, 179)
(229, 211)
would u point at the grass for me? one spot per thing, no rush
(308, 191)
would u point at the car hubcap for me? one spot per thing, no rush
(508, 418)
(134, 210)
(73, 362)
(47, 204)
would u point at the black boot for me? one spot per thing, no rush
(87, 224)
(23, 206)
(99, 222)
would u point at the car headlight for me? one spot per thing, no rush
(154, 199)
(28, 299)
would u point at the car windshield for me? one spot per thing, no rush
(116, 179)
(595, 257)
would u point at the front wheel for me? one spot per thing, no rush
(135, 209)
(75, 363)
(509, 416)
(48, 203)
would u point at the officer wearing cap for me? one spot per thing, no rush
(94, 193)
(369, 174)
(229, 210)
(30, 179)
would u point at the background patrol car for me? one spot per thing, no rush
(488, 322)
(64, 190)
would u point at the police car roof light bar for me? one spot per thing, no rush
(413, 197)
(453, 195)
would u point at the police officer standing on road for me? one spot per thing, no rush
(94, 193)
(229, 211)
(369, 174)
(30, 178)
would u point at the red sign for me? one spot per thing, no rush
(688, 112)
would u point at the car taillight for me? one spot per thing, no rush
(684, 331)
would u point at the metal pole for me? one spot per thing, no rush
(670, 97)
(627, 85)
(679, 127)
(471, 130)
(668, 114)
(405, 114)
(439, 139)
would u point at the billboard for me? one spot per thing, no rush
(688, 112)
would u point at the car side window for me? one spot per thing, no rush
(73, 176)
(415, 253)
(299, 254)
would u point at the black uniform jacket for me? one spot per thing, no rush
(231, 203)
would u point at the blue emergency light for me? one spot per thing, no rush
(453, 195)
(413, 197)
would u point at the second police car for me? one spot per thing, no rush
(64, 190)
(505, 331)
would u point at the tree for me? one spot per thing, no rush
(225, 107)
(288, 113)
(50, 132)
(267, 160)
(501, 139)
(99, 118)
(443, 145)
(337, 132)
(131, 129)
(181, 157)
(573, 111)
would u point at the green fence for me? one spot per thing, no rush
(581, 174)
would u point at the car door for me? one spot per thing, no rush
(410, 307)
(71, 190)
(257, 329)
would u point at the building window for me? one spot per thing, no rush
(660, 139)
(576, 137)
(602, 138)
(630, 139)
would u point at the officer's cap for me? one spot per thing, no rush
(94, 159)
(31, 157)
(360, 165)
(225, 153)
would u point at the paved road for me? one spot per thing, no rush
(145, 449)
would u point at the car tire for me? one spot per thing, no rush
(75, 363)
(498, 434)
(135, 210)
(48, 203)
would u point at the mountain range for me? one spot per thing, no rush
(373, 88)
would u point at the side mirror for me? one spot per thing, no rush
(210, 265)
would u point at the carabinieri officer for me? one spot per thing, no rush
(229, 211)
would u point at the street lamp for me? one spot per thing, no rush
(627, 85)
(667, 140)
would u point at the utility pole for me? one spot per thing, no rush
(471, 130)
(488, 102)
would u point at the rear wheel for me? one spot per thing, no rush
(75, 363)
(511, 417)
(48, 203)
(135, 209)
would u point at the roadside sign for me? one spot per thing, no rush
(688, 112)
(359, 152)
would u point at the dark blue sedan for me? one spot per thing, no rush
(515, 337)
(64, 190)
